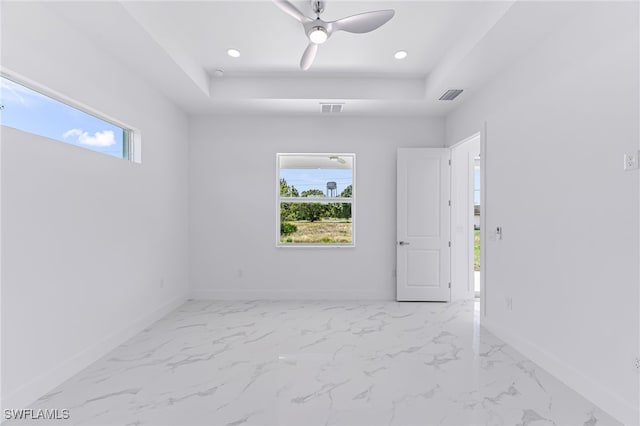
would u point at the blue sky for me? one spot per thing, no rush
(305, 179)
(30, 111)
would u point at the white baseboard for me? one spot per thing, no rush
(608, 401)
(208, 294)
(36, 388)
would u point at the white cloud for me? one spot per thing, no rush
(72, 132)
(14, 93)
(103, 139)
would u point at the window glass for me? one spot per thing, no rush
(31, 111)
(328, 180)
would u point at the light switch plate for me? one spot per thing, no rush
(631, 161)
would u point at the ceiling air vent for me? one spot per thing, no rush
(331, 108)
(450, 94)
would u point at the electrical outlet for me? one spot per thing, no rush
(631, 161)
(509, 303)
(636, 364)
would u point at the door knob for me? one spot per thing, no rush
(404, 243)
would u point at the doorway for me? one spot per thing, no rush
(465, 219)
(476, 226)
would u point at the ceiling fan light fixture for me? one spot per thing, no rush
(234, 53)
(318, 31)
(400, 54)
(318, 35)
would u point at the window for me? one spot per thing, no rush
(31, 111)
(316, 200)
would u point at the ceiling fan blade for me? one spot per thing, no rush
(291, 10)
(363, 22)
(308, 56)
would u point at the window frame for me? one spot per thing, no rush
(326, 200)
(131, 143)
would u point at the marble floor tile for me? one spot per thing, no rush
(318, 363)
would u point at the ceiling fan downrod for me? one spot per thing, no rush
(318, 7)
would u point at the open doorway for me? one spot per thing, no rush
(476, 226)
(465, 219)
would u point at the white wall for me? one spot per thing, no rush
(233, 207)
(86, 238)
(558, 123)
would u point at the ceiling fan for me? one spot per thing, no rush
(318, 31)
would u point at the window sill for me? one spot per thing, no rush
(322, 246)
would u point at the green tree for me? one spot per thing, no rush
(313, 193)
(312, 211)
(341, 210)
(288, 211)
(287, 190)
(345, 208)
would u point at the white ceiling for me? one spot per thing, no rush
(177, 46)
(272, 42)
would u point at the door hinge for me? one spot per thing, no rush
(449, 243)
(449, 285)
(449, 203)
(449, 162)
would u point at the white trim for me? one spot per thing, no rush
(351, 200)
(465, 140)
(605, 399)
(483, 222)
(323, 200)
(455, 174)
(1, 275)
(288, 294)
(38, 387)
(451, 233)
(316, 245)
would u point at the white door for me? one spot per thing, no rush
(423, 243)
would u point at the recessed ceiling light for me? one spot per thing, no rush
(234, 53)
(400, 54)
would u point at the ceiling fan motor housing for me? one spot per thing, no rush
(309, 27)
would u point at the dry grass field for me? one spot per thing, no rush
(321, 232)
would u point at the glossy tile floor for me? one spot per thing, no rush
(319, 363)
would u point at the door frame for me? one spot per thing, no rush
(483, 220)
(482, 134)
(462, 178)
